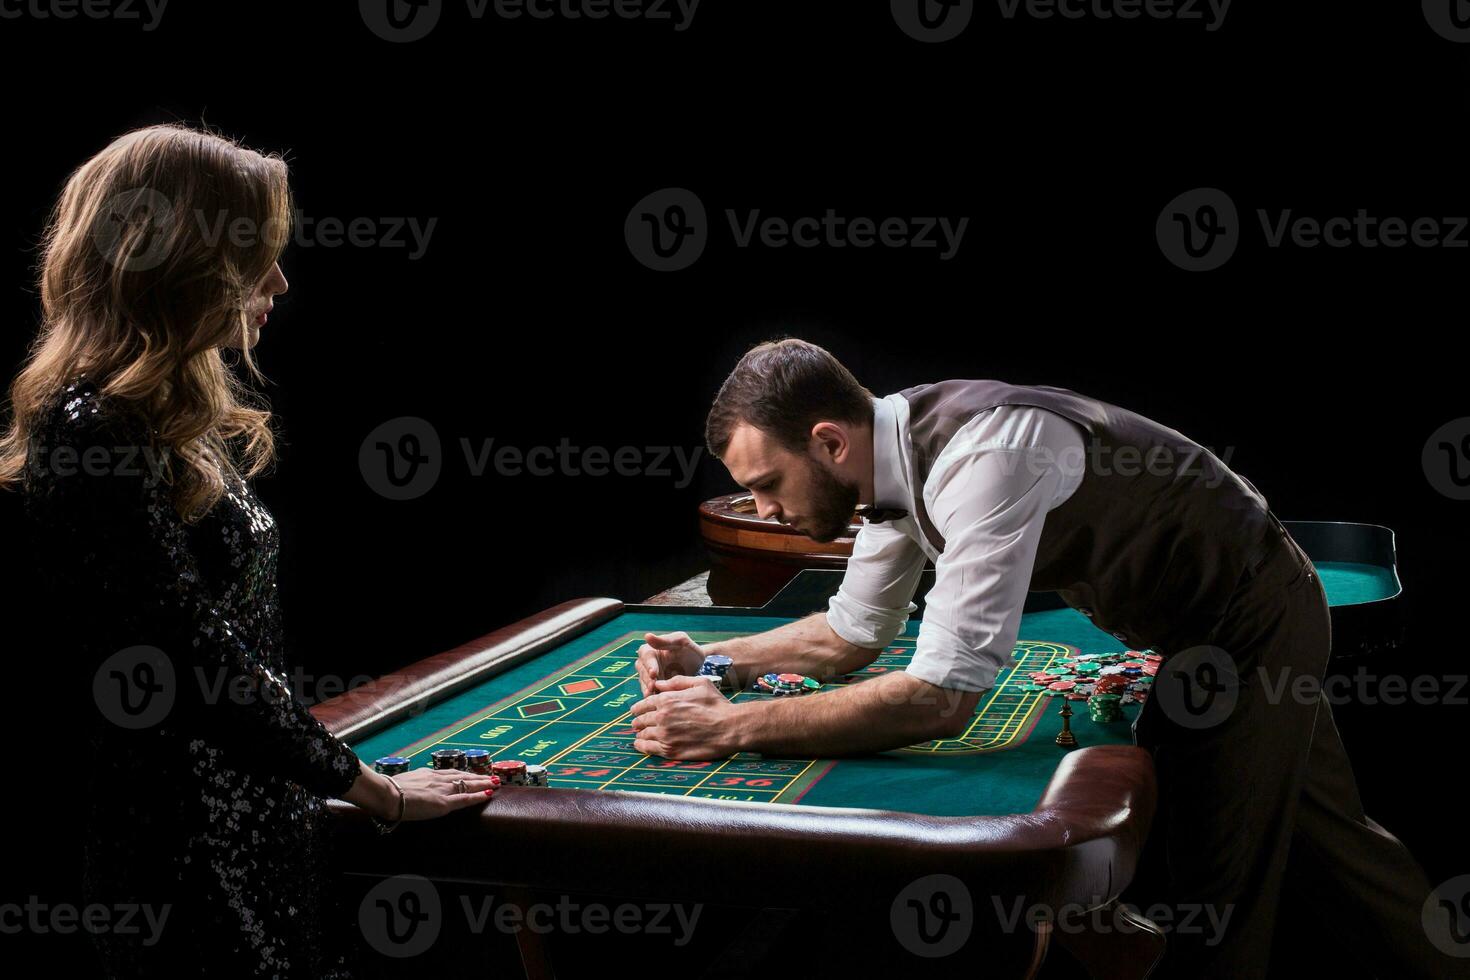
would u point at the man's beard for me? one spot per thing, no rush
(834, 502)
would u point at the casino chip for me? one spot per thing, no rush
(448, 759)
(512, 772)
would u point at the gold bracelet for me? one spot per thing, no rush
(383, 826)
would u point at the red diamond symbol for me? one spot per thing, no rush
(581, 687)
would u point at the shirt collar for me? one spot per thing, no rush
(890, 480)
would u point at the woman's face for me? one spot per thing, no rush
(259, 304)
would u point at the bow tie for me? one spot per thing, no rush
(878, 515)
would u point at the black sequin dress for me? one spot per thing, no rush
(214, 814)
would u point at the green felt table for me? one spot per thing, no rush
(568, 709)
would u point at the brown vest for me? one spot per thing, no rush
(1153, 541)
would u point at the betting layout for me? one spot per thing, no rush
(573, 728)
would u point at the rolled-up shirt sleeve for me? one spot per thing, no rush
(990, 506)
(877, 592)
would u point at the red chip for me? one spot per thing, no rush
(1061, 685)
(790, 678)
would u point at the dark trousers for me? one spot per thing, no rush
(1255, 784)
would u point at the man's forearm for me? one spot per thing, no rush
(887, 712)
(806, 646)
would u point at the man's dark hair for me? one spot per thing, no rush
(784, 387)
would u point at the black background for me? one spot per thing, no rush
(1322, 371)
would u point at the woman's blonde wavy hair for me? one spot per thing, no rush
(147, 264)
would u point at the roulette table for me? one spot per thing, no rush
(1004, 810)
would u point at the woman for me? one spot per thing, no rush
(134, 445)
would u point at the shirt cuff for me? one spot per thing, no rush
(942, 660)
(863, 625)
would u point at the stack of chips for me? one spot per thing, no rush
(477, 761)
(448, 759)
(512, 772)
(1105, 708)
(392, 765)
(536, 775)
(716, 668)
(1127, 677)
(786, 685)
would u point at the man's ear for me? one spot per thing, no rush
(832, 441)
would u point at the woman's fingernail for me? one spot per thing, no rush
(489, 792)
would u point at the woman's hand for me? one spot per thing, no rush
(669, 655)
(427, 793)
(430, 793)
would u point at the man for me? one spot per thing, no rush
(1008, 489)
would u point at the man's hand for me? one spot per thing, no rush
(688, 718)
(667, 656)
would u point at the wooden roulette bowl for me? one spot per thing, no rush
(752, 557)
